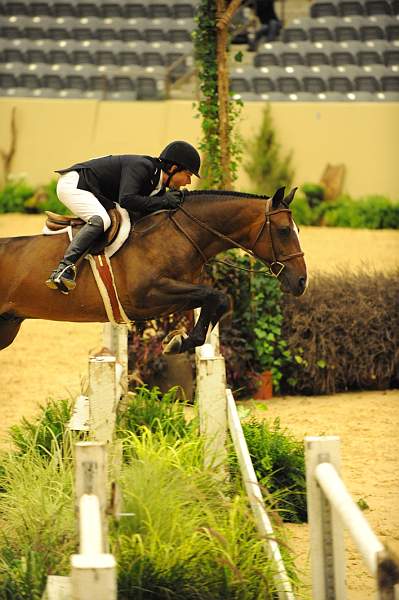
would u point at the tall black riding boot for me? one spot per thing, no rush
(63, 278)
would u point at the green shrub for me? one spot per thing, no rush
(189, 535)
(37, 531)
(49, 428)
(343, 334)
(314, 193)
(371, 212)
(301, 211)
(187, 538)
(279, 463)
(13, 195)
(45, 198)
(251, 340)
(154, 410)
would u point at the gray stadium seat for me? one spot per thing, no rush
(159, 9)
(180, 30)
(324, 8)
(289, 84)
(291, 57)
(151, 84)
(391, 56)
(348, 8)
(392, 32)
(105, 57)
(135, 10)
(319, 53)
(184, 9)
(133, 30)
(53, 81)
(315, 79)
(372, 31)
(40, 9)
(122, 88)
(347, 32)
(241, 80)
(16, 8)
(369, 56)
(342, 56)
(295, 32)
(59, 56)
(89, 9)
(36, 55)
(378, 7)
(268, 54)
(63, 8)
(264, 80)
(323, 30)
(12, 54)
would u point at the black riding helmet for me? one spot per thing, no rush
(182, 154)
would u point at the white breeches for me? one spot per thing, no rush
(81, 203)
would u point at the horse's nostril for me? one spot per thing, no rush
(302, 282)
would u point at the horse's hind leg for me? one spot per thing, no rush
(9, 327)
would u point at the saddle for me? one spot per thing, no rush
(56, 222)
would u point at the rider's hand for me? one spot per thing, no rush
(173, 199)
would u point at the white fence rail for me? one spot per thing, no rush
(330, 509)
(263, 523)
(217, 412)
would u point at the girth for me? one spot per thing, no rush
(57, 222)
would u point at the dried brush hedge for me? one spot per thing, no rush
(343, 333)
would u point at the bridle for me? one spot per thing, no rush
(274, 269)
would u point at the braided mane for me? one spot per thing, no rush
(190, 194)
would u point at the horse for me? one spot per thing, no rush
(157, 270)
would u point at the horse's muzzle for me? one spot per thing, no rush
(294, 286)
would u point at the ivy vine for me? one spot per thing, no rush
(214, 173)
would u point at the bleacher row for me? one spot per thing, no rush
(346, 50)
(123, 50)
(94, 50)
(151, 9)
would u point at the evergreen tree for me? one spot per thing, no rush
(266, 170)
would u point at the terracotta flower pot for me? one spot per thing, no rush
(265, 390)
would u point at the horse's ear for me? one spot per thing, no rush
(278, 197)
(289, 197)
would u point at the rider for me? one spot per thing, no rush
(138, 183)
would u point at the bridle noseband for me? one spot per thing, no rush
(277, 265)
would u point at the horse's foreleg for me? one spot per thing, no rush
(9, 327)
(212, 303)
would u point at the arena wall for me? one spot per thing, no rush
(51, 134)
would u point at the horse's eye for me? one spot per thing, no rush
(285, 231)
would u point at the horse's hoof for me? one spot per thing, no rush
(174, 346)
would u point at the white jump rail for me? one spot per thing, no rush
(217, 412)
(330, 509)
(108, 382)
(263, 523)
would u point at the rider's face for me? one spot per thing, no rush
(179, 179)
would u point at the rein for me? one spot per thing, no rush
(251, 251)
